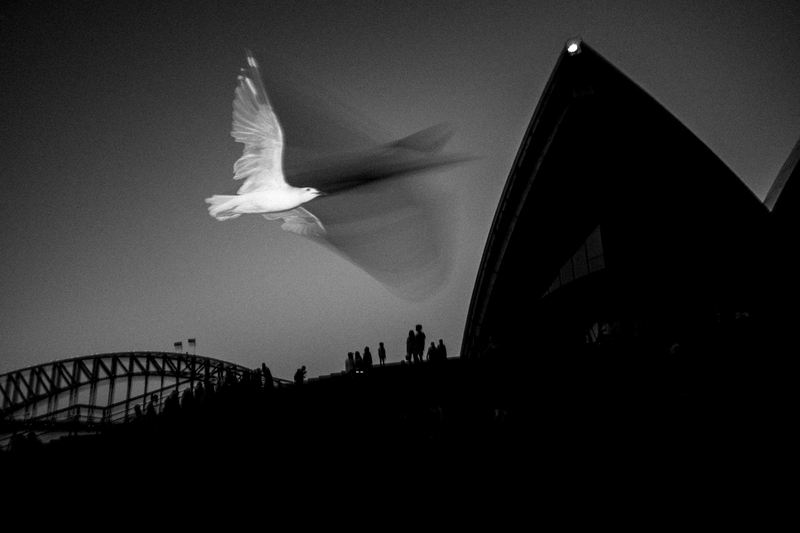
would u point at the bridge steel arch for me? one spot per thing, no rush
(90, 392)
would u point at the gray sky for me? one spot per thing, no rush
(115, 127)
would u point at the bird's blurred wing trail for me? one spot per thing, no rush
(299, 220)
(430, 140)
(256, 125)
(415, 154)
(399, 231)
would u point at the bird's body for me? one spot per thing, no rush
(259, 201)
(265, 190)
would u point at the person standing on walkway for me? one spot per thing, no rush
(367, 358)
(441, 354)
(381, 354)
(431, 355)
(419, 344)
(300, 375)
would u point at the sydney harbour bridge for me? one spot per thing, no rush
(89, 393)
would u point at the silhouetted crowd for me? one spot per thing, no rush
(356, 363)
(231, 405)
(205, 397)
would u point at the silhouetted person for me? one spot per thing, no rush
(171, 405)
(210, 393)
(410, 344)
(230, 379)
(199, 393)
(381, 353)
(25, 443)
(441, 350)
(367, 358)
(138, 416)
(173, 399)
(349, 364)
(34, 444)
(431, 355)
(268, 382)
(152, 412)
(187, 400)
(359, 362)
(300, 375)
(419, 344)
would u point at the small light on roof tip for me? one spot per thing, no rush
(574, 46)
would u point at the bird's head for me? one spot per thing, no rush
(309, 193)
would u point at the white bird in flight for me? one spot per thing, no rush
(265, 190)
(397, 230)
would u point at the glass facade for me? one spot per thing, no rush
(587, 258)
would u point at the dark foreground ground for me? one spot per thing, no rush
(467, 436)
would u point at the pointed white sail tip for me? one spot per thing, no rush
(251, 61)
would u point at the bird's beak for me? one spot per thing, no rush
(322, 193)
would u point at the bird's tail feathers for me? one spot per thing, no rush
(221, 207)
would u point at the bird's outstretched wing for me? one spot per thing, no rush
(255, 125)
(299, 220)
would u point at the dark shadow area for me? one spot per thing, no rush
(395, 428)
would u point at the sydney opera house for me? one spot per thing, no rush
(632, 288)
(619, 228)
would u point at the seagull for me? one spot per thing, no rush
(265, 190)
(394, 228)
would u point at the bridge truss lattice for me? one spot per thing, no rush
(90, 392)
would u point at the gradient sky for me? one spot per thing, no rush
(116, 126)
